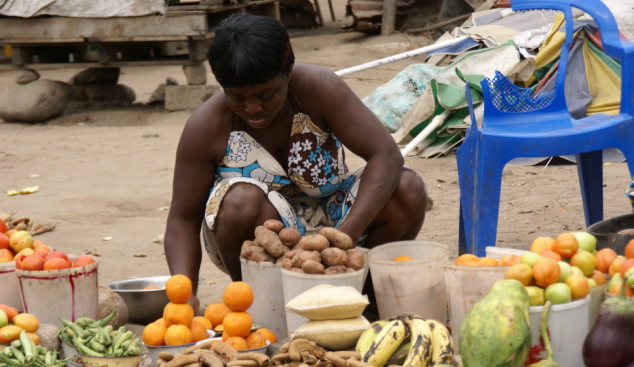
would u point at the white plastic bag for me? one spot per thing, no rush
(327, 302)
(333, 334)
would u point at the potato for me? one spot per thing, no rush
(356, 260)
(333, 256)
(259, 254)
(296, 262)
(314, 243)
(291, 254)
(287, 264)
(274, 225)
(339, 269)
(110, 301)
(296, 247)
(338, 239)
(289, 237)
(269, 240)
(298, 270)
(245, 247)
(48, 337)
(310, 255)
(312, 267)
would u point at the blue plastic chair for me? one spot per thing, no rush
(516, 124)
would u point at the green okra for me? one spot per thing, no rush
(79, 332)
(102, 322)
(85, 350)
(94, 345)
(10, 361)
(123, 338)
(105, 337)
(17, 354)
(41, 350)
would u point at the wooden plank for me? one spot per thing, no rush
(95, 28)
(87, 65)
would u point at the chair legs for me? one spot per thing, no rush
(590, 169)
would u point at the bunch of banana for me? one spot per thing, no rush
(406, 340)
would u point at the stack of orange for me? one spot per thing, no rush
(230, 317)
(178, 325)
(472, 260)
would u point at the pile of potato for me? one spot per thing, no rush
(329, 252)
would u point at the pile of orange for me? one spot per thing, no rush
(230, 318)
(16, 323)
(472, 260)
(178, 325)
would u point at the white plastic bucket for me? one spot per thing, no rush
(466, 285)
(596, 299)
(66, 293)
(567, 331)
(410, 286)
(71, 352)
(498, 253)
(295, 284)
(9, 286)
(265, 280)
(366, 262)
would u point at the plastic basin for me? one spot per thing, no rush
(567, 327)
(596, 299)
(70, 351)
(10, 286)
(410, 286)
(295, 284)
(467, 285)
(90, 361)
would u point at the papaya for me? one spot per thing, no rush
(496, 331)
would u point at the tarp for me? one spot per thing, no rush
(81, 8)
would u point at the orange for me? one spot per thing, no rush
(34, 337)
(178, 313)
(27, 322)
(400, 258)
(629, 263)
(616, 289)
(629, 250)
(546, 272)
(267, 334)
(216, 312)
(579, 286)
(9, 333)
(41, 254)
(199, 331)
(154, 334)
(474, 263)
(598, 277)
(40, 246)
(520, 272)
(10, 311)
(58, 254)
(551, 255)
(237, 343)
(4, 242)
(5, 255)
(178, 288)
(508, 259)
(464, 259)
(83, 260)
(566, 245)
(238, 324)
(32, 263)
(219, 328)
(160, 321)
(605, 258)
(487, 261)
(541, 244)
(206, 323)
(225, 336)
(56, 264)
(518, 260)
(255, 341)
(238, 297)
(178, 335)
(616, 266)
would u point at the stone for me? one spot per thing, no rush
(37, 101)
(196, 75)
(188, 97)
(96, 76)
(158, 96)
(26, 76)
(117, 93)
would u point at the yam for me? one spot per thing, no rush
(289, 237)
(314, 243)
(48, 337)
(259, 254)
(270, 241)
(339, 269)
(356, 260)
(337, 239)
(287, 264)
(309, 255)
(312, 267)
(110, 301)
(274, 225)
(298, 270)
(333, 256)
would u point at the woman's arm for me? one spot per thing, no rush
(363, 134)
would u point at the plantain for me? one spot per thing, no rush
(398, 357)
(421, 351)
(368, 336)
(442, 344)
(385, 344)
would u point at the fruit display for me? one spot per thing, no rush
(472, 260)
(329, 252)
(13, 324)
(406, 340)
(24, 352)
(16, 237)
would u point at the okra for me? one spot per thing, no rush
(84, 322)
(110, 351)
(7, 352)
(92, 331)
(17, 354)
(41, 350)
(126, 344)
(9, 361)
(85, 350)
(121, 329)
(41, 357)
(105, 338)
(66, 338)
(48, 359)
(118, 352)
(94, 345)
(108, 328)
(123, 338)
(103, 321)
(131, 347)
(17, 343)
(74, 327)
(54, 356)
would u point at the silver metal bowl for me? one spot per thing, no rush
(144, 305)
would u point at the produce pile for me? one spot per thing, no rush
(329, 252)
(23, 352)
(97, 339)
(9, 225)
(13, 324)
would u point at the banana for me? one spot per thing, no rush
(420, 353)
(385, 344)
(368, 336)
(442, 344)
(398, 357)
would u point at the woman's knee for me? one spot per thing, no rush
(410, 193)
(243, 203)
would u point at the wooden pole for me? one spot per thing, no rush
(389, 17)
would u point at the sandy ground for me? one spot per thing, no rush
(108, 173)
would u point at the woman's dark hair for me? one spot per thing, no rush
(248, 50)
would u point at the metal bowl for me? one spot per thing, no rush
(144, 305)
(92, 361)
(153, 352)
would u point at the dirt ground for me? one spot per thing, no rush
(108, 173)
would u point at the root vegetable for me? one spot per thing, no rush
(270, 241)
(347, 354)
(298, 270)
(312, 267)
(244, 250)
(161, 362)
(287, 264)
(336, 360)
(282, 356)
(296, 262)
(291, 254)
(183, 361)
(211, 361)
(314, 243)
(259, 254)
(225, 350)
(205, 345)
(274, 225)
(296, 247)
(261, 359)
(338, 239)
(296, 348)
(309, 255)
(166, 356)
(289, 237)
(355, 260)
(338, 269)
(333, 256)
(244, 363)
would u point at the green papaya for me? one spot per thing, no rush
(496, 331)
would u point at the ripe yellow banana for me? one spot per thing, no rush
(368, 336)
(420, 353)
(442, 344)
(385, 344)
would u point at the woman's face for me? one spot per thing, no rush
(259, 104)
